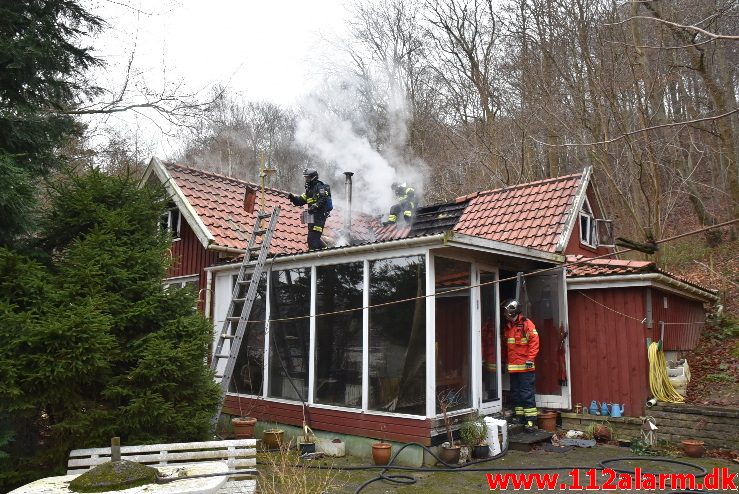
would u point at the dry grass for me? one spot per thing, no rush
(279, 474)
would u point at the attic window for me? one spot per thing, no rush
(587, 226)
(171, 221)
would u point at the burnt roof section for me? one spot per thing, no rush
(437, 218)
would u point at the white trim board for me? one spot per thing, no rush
(176, 194)
(656, 280)
(573, 214)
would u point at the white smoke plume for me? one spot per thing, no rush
(334, 132)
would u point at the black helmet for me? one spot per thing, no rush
(310, 174)
(511, 307)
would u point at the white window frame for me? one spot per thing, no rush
(589, 237)
(182, 281)
(175, 229)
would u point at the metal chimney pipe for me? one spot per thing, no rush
(348, 213)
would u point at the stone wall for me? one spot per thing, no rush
(717, 427)
(623, 427)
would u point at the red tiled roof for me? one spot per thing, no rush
(218, 201)
(531, 215)
(607, 267)
(587, 267)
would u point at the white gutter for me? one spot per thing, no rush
(657, 280)
(574, 210)
(493, 246)
(355, 249)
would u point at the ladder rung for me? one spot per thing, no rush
(227, 336)
(244, 282)
(233, 318)
(222, 355)
(263, 215)
(260, 232)
(218, 376)
(238, 299)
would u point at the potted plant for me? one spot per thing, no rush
(693, 448)
(243, 425)
(473, 433)
(307, 443)
(601, 432)
(381, 451)
(272, 438)
(449, 451)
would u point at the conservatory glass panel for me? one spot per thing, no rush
(289, 340)
(397, 336)
(338, 355)
(249, 369)
(453, 344)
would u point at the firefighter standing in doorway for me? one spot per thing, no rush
(405, 206)
(317, 196)
(522, 343)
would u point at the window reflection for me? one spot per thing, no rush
(453, 330)
(249, 369)
(289, 340)
(338, 357)
(397, 336)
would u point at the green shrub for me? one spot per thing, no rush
(473, 431)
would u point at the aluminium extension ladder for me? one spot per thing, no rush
(242, 299)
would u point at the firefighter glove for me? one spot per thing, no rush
(290, 196)
(529, 364)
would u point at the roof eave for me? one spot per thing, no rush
(658, 280)
(455, 239)
(572, 214)
(340, 252)
(176, 194)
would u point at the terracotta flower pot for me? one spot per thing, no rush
(693, 448)
(243, 427)
(272, 438)
(381, 453)
(547, 420)
(602, 433)
(450, 455)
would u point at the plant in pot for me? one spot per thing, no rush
(693, 448)
(307, 443)
(381, 451)
(243, 425)
(273, 438)
(601, 432)
(448, 399)
(473, 433)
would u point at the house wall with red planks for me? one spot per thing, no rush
(689, 315)
(608, 351)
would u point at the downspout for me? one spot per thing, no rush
(208, 292)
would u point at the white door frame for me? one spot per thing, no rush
(494, 406)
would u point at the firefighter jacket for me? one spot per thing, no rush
(405, 206)
(317, 196)
(522, 344)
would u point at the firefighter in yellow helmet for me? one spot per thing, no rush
(406, 205)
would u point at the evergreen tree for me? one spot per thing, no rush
(93, 345)
(41, 67)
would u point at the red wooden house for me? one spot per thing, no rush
(377, 370)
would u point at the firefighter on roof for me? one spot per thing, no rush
(406, 205)
(522, 344)
(317, 196)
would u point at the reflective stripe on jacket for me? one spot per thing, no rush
(522, 344)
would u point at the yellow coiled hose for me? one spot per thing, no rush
(659, 382)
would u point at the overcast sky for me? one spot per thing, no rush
(266, 50)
